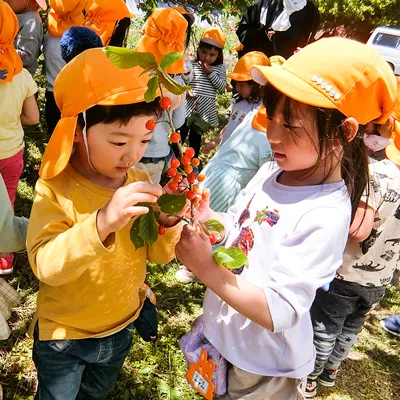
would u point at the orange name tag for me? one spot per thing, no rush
(199, 375)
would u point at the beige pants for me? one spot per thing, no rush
(243, 385)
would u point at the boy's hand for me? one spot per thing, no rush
(121, 207)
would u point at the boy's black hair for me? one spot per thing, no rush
(256, 92)
(329, 124)
(120, 113)
(206, 46)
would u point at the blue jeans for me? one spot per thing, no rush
(84, 369)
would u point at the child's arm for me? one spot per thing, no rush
(28, 42)
(214, 143)
(304, 262)
(12, 228)
(30, 112)
(363, 223)
(60, 249)
(217, 77)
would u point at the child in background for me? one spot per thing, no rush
(78, 243)
(62, 16)
(370, 260)
(162, 23)
(287, 218)
(207, 79)
(109, 19)
(30, 33)
(17, 107)
(246, 99)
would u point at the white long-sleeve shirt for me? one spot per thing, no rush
(294, 237)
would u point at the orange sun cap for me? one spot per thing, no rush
(336, 73)
(10, 61)
(165, 32)
(89, 79)
(214, 36)
(241, 72)
(102, 15)
(64, 14)
(393, 150)
(183, 11)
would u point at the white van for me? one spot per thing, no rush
(387, 42)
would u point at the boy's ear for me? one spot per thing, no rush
(350, 128)
(78, 134)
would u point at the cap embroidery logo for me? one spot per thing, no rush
(335, 94)
(3, 74)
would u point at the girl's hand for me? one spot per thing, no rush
(202, 212)
(194, 249)
(122, 206)
(207, 68)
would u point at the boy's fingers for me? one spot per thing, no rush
(132, 211)
(136, 198)
(142, 187)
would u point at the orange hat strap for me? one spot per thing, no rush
(10, 62)
(84, 134)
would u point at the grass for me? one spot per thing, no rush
(157, 371)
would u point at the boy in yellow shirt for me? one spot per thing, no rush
(79, 234)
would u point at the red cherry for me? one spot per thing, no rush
(173, 186)
(188, 169)
(195, 188)
(151, 124)
(175, 137)
(171, 172)
(165, 103)
(195, 201)
(212, 238)
(195, 162)
(161, 230)
(191, 177)
(189, 152)
(185, 160)
(177, 178)
(190, 195)
(175, 163)
(201, 177)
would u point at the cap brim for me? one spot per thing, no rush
(212, 42)
(290, 85)
(393, 153)
(42, 4)
(239, 77)
(59, 148)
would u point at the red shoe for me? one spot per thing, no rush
(6, 263)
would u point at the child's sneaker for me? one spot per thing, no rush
(391, 324)
(6, 263)
(310, 390)
(328, 377)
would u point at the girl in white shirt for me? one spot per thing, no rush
(292, 219)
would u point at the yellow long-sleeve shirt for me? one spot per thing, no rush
(86, 289)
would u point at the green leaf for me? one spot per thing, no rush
(126, 58)
(148, 227)
(171, 85)
(213, 225)
(136, 239)
(170, 58)
(171, 204)
(230, 258)
(152, 86)
(147, 70)
(145, 370)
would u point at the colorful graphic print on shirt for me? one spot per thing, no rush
(245, 240)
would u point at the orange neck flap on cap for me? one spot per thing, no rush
(64, 14)
(165, 32)
(10, 62)
(260, 120)
(101, 16)
(89, 79)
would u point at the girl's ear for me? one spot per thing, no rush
(350, 128)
